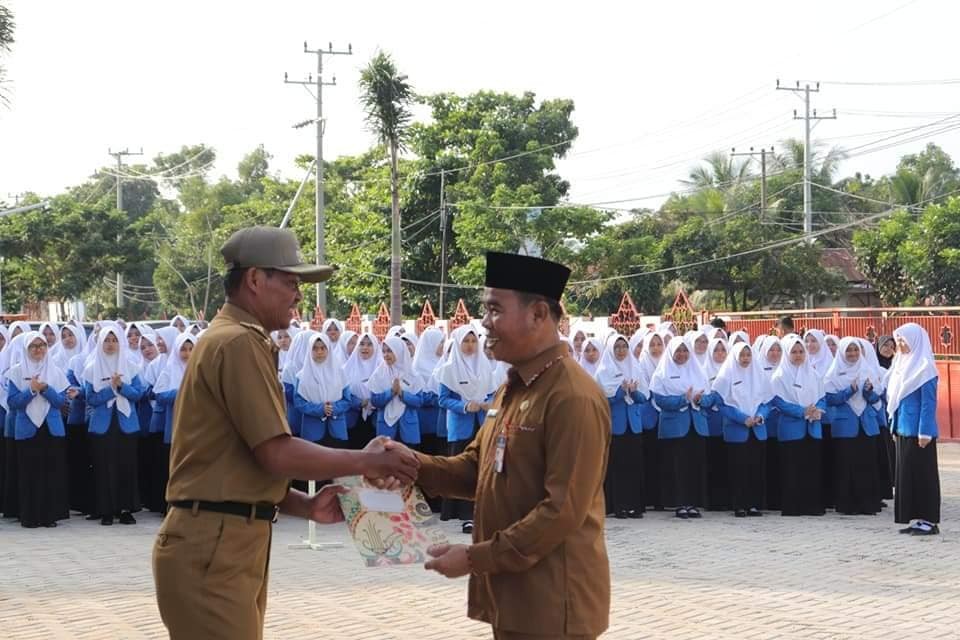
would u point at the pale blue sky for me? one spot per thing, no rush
(656, 84)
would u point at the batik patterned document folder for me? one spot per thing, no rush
(386, 538)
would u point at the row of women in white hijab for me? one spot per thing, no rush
(86, 418)
(696, 421)
(430, 393)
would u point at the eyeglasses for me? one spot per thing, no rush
(37, 347)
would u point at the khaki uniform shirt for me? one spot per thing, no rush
(230, 401)
(539, 560)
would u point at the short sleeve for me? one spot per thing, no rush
(251, 390)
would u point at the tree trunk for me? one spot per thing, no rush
(396, 301)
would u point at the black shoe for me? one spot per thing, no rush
(908, 530)
(693, 512)
(932, 531)
(127, 518)
(50, 525)
(106, 521)
(682, 513)
(635, 515)
(754, 512)
(740, 513)
(29, 525)
(621, 515)
(467, 527)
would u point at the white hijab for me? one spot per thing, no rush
(10, 356)
(742, 335)
(648, 364)
(23, 326)
(591, 368)
(358, 371)
(297, 358)
(690, 339)
(612, 373)
(24, 371)
(426, 361)
(469, 376)
(56, 334)
(823, 358)
(672, 379)
(186, 323)
(800, 385)
(321, 382)
(99, 372)
(742, 387)
(338, 348)
(711, 368)
(910, 371)
(402, 370)
(842, 374)
(174, 368)
(61, 355)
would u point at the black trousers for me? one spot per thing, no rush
(684, 467)
(42, 470)
(624, 482)
(452, 508)
(801, 477)
(856, 488)
(115, 470)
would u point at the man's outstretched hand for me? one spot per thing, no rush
(389, 464)
(450, 560)
(325, 507)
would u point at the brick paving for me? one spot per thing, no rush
(717, 578)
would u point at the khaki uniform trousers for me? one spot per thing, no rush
(210, 571)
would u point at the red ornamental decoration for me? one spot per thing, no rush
(460, 317)
(427, 318)
(382, 324)
(354, 321)
(682, 314)
(626, 320)
(316, 323)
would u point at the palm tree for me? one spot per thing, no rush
(912, 189)
(386, 97)
(822, 165)
(6, 39)
(720, 171)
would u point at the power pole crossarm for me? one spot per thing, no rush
(319, 83)
(763, 172)
(119, 156)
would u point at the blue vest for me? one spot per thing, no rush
(623, 415)
(314, 423)
(23, 427)
(429, 413)
(917, 413)
(461, 425)
(407, 428)
(793, 425)
(735, 429)
(101, 415)
(677, 414)
(846, 423)
(165, 403)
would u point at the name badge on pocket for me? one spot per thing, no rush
(499, 457)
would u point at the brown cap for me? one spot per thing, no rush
(271, 248)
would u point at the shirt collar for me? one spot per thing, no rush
(528, 372)
(232, 312)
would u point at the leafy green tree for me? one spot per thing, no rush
(931, 255)
(719, 170)
(878, 253)
(7, 27)
(386, 96)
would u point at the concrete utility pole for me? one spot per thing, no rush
(807, 128)
(443, 241)
(119, 156)
(320, 84)
(763, 172)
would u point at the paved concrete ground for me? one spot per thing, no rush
(720, 577)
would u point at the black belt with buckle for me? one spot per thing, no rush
(242, 509)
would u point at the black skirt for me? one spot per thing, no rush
(826, 466)
(886, 463)
(918, 482)
(773, 474)
(3, 461)
(11, 480)
(855, 487)
(652, 470)
(684, 464)
(748, 472)
(801, 477)
(362, 432)
(452, 508)
(624, 481)
(718, 475)
(159, 471)
(42, 468)
(115, 470)
(79, 469)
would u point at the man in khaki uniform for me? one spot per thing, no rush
(538, 564)
(232, 454)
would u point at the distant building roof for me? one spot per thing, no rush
(843, 261)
